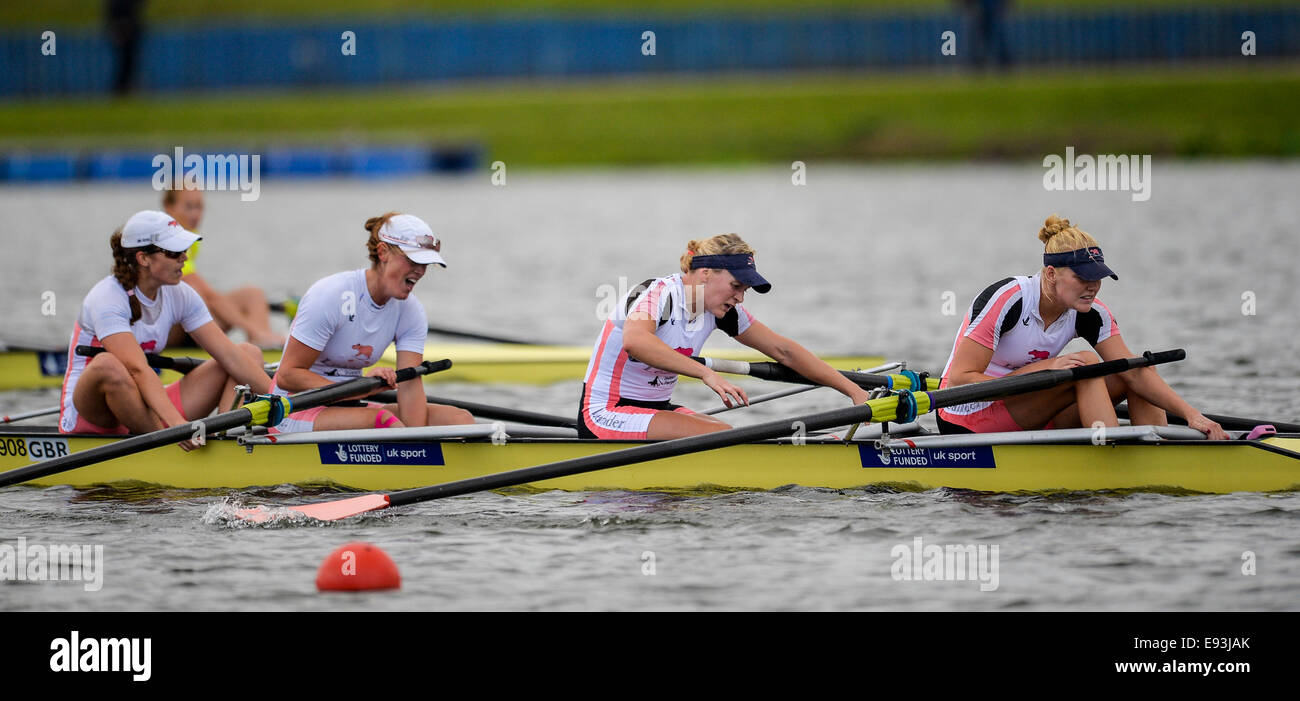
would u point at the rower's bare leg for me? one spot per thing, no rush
(251, 302)
(1140, 411)
(439, 415)
(1034, 410)
(346, 418)
(209, 386)
(1071, 405)
(107, 396)
(228, 392)
(666, 425)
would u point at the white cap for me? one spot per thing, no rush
(414, 237)
(152, 228)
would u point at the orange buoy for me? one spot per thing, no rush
(357, 566)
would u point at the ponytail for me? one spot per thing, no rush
(373, 225)
(126, 271)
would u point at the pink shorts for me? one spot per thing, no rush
(993, 418)
(305, 420)
(84, 426)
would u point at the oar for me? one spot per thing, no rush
(882, 409)
(30, 415)
(489, 411)
(257, 412)
(162, 362)
(781, 373)
(1229, 423)
(787, 392)
(290, 308)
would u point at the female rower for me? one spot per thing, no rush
(647, 341)
(129, 313)
(1021, 324)
(346, 321)
(246, 308)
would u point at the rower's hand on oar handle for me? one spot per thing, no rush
(188, 444)
(1069, 360)
(860, 396)
(388, 375)
(730, 394)
(1211, 429)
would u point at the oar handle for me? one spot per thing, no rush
(162, 362)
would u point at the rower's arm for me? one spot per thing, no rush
(789, 353)
(969, 363)
(640, 342)
(126, 349)
(412, 405)
(237, 364)
(295, 373)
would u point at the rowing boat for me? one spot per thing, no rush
(1135, 458)
(25, 368)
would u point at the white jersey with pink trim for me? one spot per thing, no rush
(106, 310)
(612, 374)
(338, 318)
(1005, 318)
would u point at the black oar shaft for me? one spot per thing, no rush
(776, 372)
(654, 451)
(489, 411)
(1229, 423)
(979, 391)
(221, 422)
(162, 362)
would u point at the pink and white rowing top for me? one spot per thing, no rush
(106, 310)
(338, 318)
(612, 374)
(1005, 318)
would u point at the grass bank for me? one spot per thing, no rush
(1220, 112)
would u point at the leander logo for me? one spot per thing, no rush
(75, 654)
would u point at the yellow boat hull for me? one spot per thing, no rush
(1191, 466)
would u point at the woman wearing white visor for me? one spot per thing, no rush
(130, 313)
(346, 321)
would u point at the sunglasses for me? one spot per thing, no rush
(174, 255)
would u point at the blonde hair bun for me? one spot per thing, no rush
(1060, 236)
